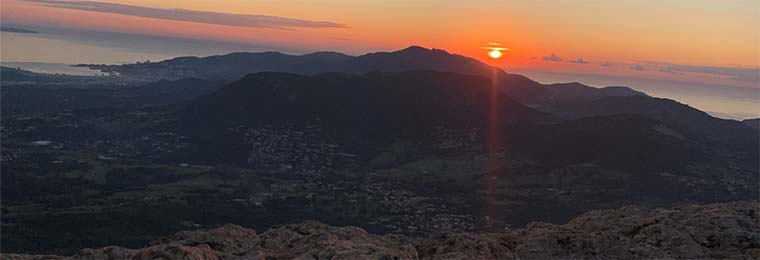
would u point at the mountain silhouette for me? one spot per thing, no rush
(236, 65)
(323, 85)
(381, 101)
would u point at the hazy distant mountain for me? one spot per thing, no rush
(384, 105)
(411, 58)
(621, 91)
(566, 100)
(236, 65)
(564, 93)
(15, 30)
(50, 68)
(219, 67)
(17, 74)
(419, 58)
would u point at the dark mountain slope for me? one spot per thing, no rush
(18, 75)
(621, 91)
(52, 97)
(377, 108)
(566, 93)
(377, 101)
(14, 74)
(628, 141)
(359, 111)
(172, 91)
(755, 122)
(693, 123)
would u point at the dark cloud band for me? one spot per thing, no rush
(553, 58)
(243, 20)
(737, 73)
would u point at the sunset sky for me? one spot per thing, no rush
(697, 41)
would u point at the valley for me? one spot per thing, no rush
(416, 142)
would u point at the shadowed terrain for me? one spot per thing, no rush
(415, 143)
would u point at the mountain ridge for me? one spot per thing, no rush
(410, 58)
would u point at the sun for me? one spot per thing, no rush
(495, 54)
(495, 50)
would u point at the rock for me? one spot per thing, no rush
(467, 246)
(228, 241)
(30, 257)
(169, 251)
(699, 231)
(109, 252)
(720, 230)
(314, 240)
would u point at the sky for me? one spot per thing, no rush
(693, 49)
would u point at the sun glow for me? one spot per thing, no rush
(495, 50)
(495, 54)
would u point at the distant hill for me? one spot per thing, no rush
(43, 93)
(621, 91)
(236, 65)
(17, 74)
(376, 101)
(754, 123)
(219, 67)
(361, 111)
(574, 92)
(390, 141)
(173, 91)
(636, 131)
(620, 141)
(567, 101)
(693, 123)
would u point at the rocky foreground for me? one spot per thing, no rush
(721, 230)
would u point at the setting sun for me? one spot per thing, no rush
(495, 54)
(495, 49)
